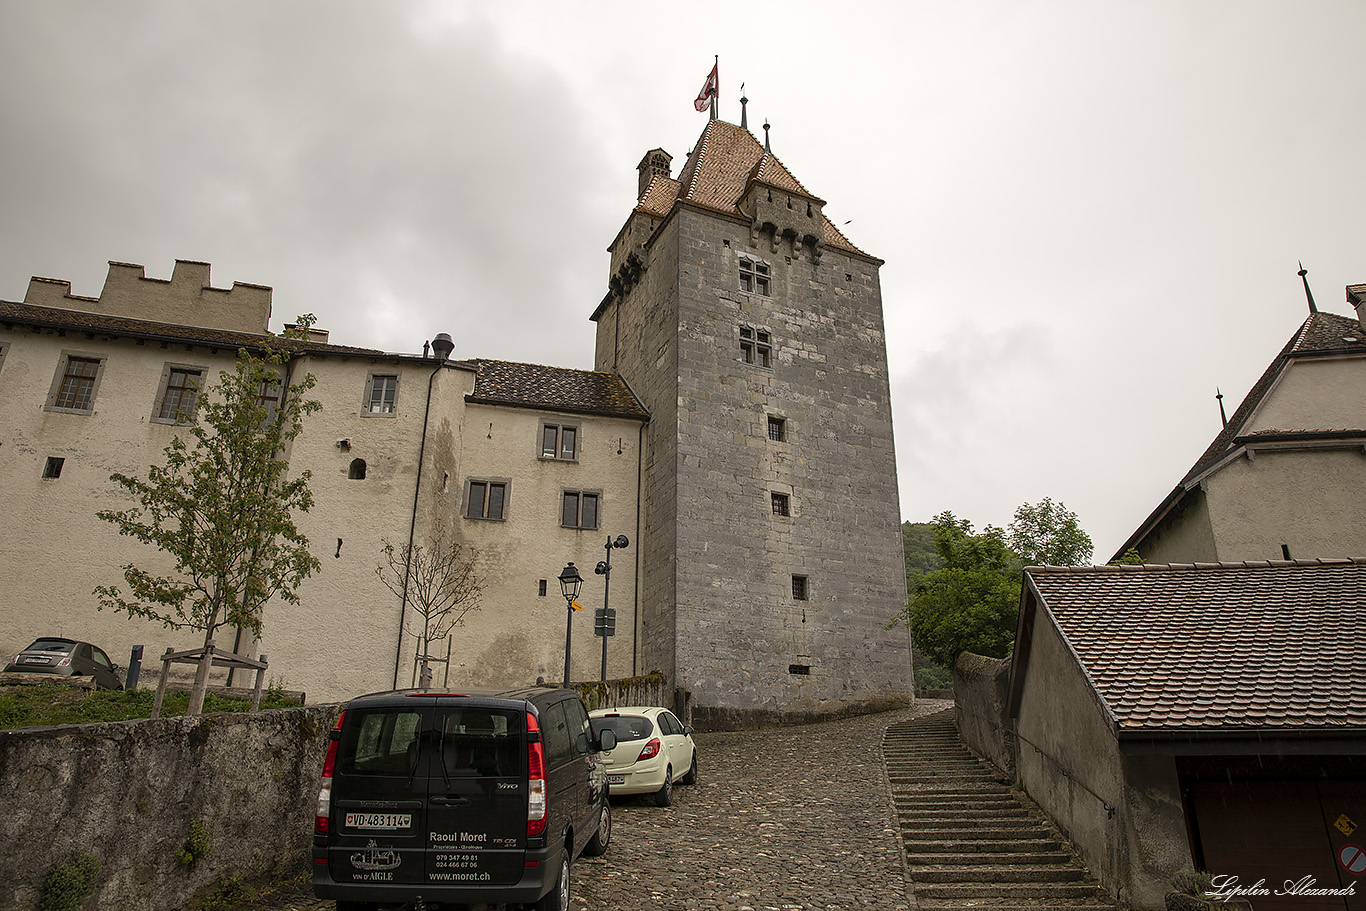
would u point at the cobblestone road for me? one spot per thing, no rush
(783, 819)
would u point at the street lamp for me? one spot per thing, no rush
(606, 624)
(570, 584)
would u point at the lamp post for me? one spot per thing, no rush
(607, 623)
(570, 584)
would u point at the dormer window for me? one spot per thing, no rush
(754, 276)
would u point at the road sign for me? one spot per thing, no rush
(1352, 858)
(605, 623)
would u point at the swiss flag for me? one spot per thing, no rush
(710, 89)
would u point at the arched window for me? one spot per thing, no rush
(357, 472)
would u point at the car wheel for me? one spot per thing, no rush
(557, 899)
(665, 795)
(691, 777)
(603, 837)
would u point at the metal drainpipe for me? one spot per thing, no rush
(640, 550)
(412, 525)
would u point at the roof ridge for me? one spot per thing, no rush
(1190, 567)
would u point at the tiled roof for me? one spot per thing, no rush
(726, 160)
(57, 318)
(1321, 333)
(554, 389)
(1218, 647)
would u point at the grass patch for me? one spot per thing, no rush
(58, 703)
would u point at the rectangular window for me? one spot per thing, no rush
(799, 592)
(579, 509)
(754, 276)
(781, 505)
(777, 429)
(383, 394)
(485, 499)
(560, 441)
(53, 467)
(756, 346)
(540, 590)
(77, 383)
(178, 396)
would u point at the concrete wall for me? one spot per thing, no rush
(981, 688)
(129, 792)
(1122, 814)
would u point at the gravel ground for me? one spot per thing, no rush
(782, 819)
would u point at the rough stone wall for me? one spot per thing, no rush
(637, 338)
(129, 792)
(980, 694)
(744, 641)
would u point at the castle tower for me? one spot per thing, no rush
(752, 330)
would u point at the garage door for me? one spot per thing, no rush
(1284, 833)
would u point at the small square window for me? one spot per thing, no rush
(53, 467)
(799, 588)
(485, 499)
(799, 670)
(579, 509)
(382, 397)
(777, 429)
(560, 441)
(781, 506)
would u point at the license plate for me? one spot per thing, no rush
(34, 659)
(388, 821)
(616, 779)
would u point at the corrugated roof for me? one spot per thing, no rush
(723, 164)
(554, 389)
(1218, 647)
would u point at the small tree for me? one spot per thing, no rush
(220, 507)
(1047, 534)
(438, 583)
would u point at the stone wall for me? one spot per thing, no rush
(132, 793)
(981, 688)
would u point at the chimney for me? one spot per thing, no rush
(1356, 296)
(656, 161)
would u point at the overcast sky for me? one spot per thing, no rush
(1090, 212)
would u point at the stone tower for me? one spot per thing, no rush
(752, 330)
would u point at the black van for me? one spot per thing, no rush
(465, 799)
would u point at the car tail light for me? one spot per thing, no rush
(65, 662)
(650, 751)
(537, 795)
(322, 816)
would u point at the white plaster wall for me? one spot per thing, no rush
(1318, 394)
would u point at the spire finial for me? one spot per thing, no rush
(1223, 418)
(767, 148)
(1304, 277)
(744, 117)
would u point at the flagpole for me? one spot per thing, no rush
(715, 98)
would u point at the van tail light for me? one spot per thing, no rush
(322, 816)
(538, 800)
(650, 751)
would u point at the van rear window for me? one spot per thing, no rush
(478, 742)
(379, 742)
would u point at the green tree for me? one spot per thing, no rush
(971, 601)
(221, 508)
(1047, 534)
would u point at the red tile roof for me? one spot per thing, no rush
(1231, 647)
(554, 389)
(721, 167)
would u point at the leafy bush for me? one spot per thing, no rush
(68, 885)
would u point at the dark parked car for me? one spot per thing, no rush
(69, 658)
(477, 798)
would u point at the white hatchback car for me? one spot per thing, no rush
(654, 749)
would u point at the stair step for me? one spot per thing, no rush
(1005, 890)
(996, 874)
(989, 858)
(971, 847)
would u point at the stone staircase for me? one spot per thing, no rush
(970, 842)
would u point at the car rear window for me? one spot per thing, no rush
(478, 742)
(52, 645)
(626, 727)
(379, 742)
